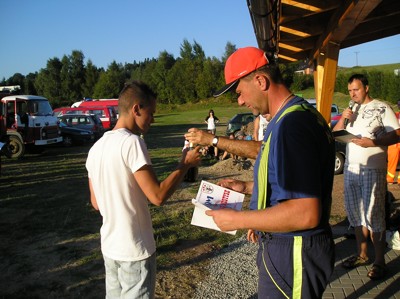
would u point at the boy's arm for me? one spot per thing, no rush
(93, 199)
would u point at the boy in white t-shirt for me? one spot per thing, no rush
(122, 182)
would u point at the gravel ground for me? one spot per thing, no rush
(233, 273)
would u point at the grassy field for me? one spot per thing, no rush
(50, 234)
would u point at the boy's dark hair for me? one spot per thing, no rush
(135, 92)
(360, 77)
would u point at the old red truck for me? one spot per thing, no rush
(29, 121)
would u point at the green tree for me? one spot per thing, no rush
(375, 84)
(163, 65)
(110, 82)
(391, 86)
(66, 80)
(229, 50)
(341, 83)
(16, 79)
(48, 82)
(208, 80)
(92, 75)
(29, 84)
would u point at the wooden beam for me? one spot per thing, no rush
(325, 78)
(343, 22)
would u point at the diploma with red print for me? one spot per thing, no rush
(213, 197)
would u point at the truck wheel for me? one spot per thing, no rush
(17, 147)
(339, 163)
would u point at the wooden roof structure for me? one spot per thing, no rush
(314, 31)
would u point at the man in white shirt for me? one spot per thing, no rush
(365, 172)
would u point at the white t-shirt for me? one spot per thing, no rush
(262, 127)
(370, 120)
(126, 232)
(211, 123)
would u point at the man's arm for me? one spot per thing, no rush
(242, 148)
(256, 128)
(287, 216)
(386, 139)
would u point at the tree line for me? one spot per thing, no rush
(188, 78)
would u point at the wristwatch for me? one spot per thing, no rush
(215, 140)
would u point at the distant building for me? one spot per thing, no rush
(10, 88)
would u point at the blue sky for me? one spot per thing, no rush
(127, 30)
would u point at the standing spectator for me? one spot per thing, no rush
(290, 207)
(211, 120)
(365, 172)
(260, 126)
(122, 182)
(393, 160)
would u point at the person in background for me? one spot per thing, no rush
(211, 120)
(226, 153)
(365, 172)
(289, 208)
(393, 160)
(260, 126)
(122, 182)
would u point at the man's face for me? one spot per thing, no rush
(357, 91)
(249, 95)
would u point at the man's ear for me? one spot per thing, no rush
(262, 81)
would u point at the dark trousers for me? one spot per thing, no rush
(294, 267)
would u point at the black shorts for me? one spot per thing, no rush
(294, 267)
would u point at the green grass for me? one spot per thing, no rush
(46, 214)
(385, 68)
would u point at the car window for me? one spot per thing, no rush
(99, 112)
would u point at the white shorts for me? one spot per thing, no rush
(364, 193)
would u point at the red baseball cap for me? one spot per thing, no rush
(241, 63)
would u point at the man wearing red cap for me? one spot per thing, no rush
(293, 178)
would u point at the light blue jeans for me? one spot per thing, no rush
(135, 279)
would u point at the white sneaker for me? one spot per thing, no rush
(394, 241)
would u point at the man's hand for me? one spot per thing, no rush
(363, 142)
(191, 157)
(225, 219)
(200, 137)
(252, 236)
(235, 185)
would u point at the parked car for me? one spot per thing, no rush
(74, 135)
(340, 157)
(107, 114)
(239, 120)
(335, 113)
(90, 122)
(335, 119)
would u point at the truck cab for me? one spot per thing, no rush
(29, 121)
